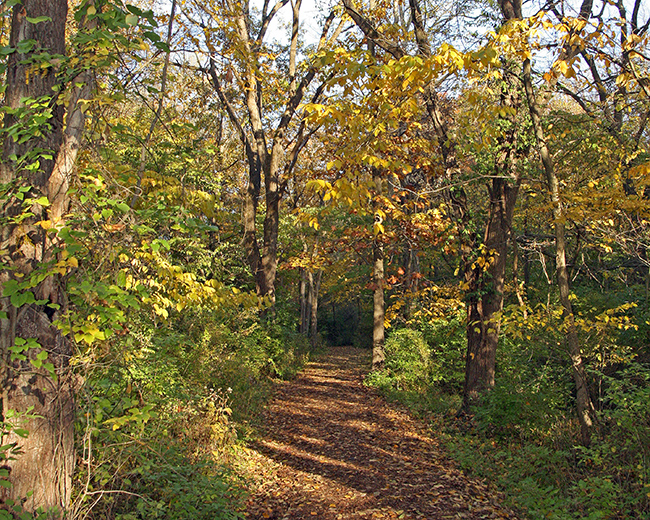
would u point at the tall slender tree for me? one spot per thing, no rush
(240, 68)
(511, 10)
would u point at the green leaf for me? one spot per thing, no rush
(26, 46)
(154, 37)
(50, 369)
(10, 288)
(20, 299)
(132, 19)
(39, 19)
(162, 46)
(134, 9)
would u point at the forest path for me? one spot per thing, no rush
(331, 448)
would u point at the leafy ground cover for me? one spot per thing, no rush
(331, 448)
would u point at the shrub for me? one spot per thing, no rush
(162, 415)
(447, 340)
(408, 360)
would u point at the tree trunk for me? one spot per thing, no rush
(485, 298)
(271, 221)
(249, 211)
(485, 276)
(46, 463)
(265, 147)
(378, 354)
(584, 405)
(412, 277)
(515, 280)
(314, 286)
(305, 312)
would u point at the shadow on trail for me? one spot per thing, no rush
(346, 453)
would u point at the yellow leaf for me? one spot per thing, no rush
(562, 66)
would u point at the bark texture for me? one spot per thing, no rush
(46, 462)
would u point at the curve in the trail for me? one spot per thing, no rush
(340, 451)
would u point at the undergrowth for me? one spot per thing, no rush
(523, 435)
(162, 421)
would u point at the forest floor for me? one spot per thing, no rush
(329, 448)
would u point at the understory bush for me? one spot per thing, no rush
(422, 367)
(161, 418)
(523, 434)
(447, 341)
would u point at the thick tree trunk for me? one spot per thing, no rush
(485, 300)
(485, 276)
(249, 211)
(271, 221)
(46, 463)
(23, 83)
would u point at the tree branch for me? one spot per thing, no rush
(369, 30)
(266, 20)
(229, 109)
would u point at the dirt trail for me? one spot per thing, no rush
(333, 449)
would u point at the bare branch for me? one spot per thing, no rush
(266, 20)
(229, 108)
(369, 30)
(154, 121)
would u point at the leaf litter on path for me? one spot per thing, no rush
(333, 449)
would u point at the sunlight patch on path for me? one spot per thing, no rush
(335, 450)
